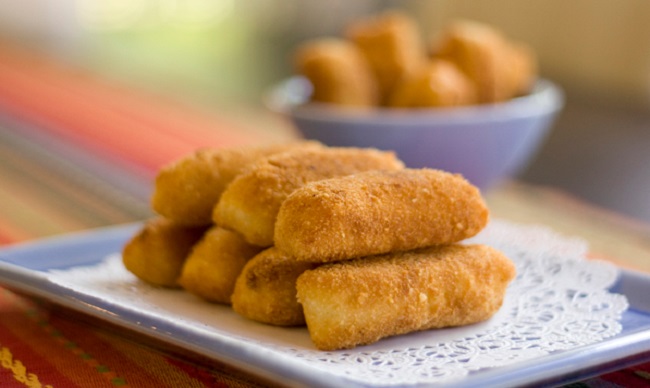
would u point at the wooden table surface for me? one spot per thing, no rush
(610, 235)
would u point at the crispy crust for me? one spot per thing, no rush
(392, 45)
(378, 212)
(361, 301)
(214, 264)
(521, 68)
(500, 69)
(157, 252)
(186, 190)
(266, 289)
(438, 83)
(338, 73)
(251, 203)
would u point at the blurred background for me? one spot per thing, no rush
(221, 55)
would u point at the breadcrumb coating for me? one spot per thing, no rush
(266, 289)
(438, 83)
(338, 73)
(156, 253)
(378, 212)
(251, 202)
(392, 45)
(358, 302)
(214, 264)
(187, 189)
(500, 69)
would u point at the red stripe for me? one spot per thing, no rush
(140, 133)
(5, 240)
(105, 354)
(11, 233)
(637, 376)
(149, 108)
(8, 380)
(35, 363)
(100, 131)
(28, 344)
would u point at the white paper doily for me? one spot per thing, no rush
(558, 301)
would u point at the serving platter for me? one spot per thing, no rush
(83, 272)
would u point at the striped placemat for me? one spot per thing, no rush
(77, 152)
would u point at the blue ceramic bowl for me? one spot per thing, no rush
(485, 143)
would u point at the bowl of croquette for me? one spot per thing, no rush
(472, 103)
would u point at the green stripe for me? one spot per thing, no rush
(43, 194)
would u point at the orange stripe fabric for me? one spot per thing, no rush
(26, 342)
(140, 366)
(125, 126)
(54, 349)
(14, 373)
(45, 190)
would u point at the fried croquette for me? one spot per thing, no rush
(214, 264)
(251, 203)
(392, 45)
(438, 83)
(498, 69)
(358, 302)
(157, 252)
(338, 73)
(522, 69)
(266, 289)
(378, 212)
(187, 190)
